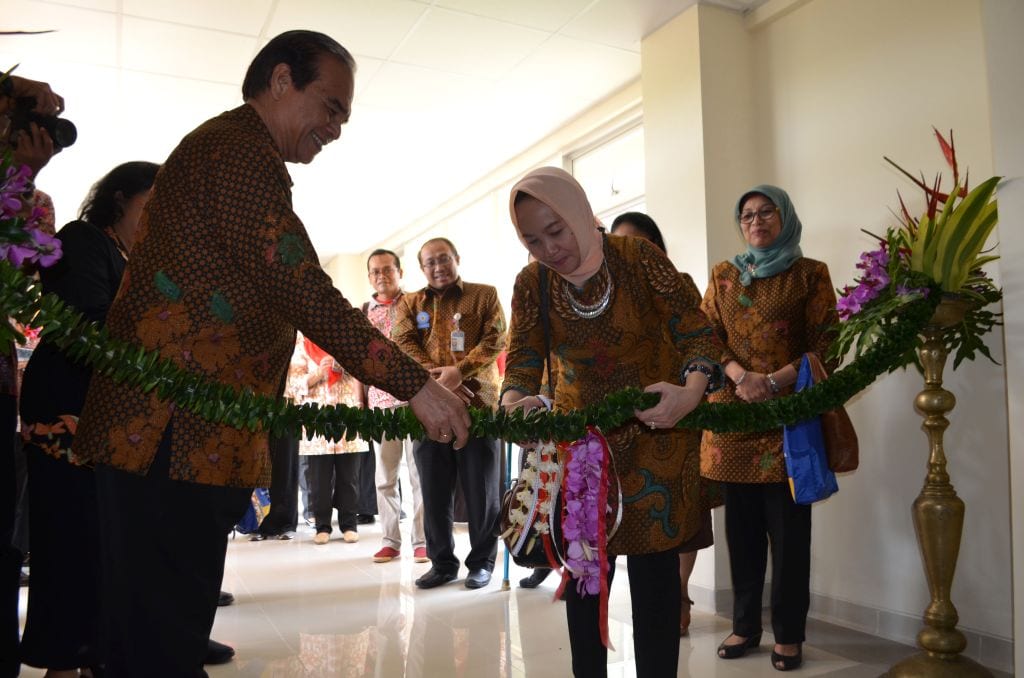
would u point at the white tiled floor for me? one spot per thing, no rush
(307, 610)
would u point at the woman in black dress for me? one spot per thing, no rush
(63, 604)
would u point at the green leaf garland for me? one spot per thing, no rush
(85, 341)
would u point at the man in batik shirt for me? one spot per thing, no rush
(455, 329)
(221, 277)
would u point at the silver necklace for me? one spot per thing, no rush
(590, 311)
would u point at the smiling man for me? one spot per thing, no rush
(222, 276)
(384, 271)
(455, 329)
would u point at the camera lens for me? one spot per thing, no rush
(64, 133)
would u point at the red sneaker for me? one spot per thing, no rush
(419, 555)
(385, 555)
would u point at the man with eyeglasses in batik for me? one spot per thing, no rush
(456, 330)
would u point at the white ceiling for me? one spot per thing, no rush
(446, 90)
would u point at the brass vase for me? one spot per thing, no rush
(938, 517)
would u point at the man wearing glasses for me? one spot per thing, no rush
(384, 271)
(456, 330)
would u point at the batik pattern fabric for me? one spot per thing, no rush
(765, 326)
(424, 322)
(221, 277)
(382, 316)
(296, 384)
(343, 389)
(652, 329)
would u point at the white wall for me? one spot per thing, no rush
(1003, 22)
(348, 272)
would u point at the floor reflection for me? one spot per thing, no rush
(307, 611)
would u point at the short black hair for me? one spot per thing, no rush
(103, 207)
(302, 51)
(379, 252)
(644, 224)
(446, 241)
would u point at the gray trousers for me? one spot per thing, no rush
(389, 501)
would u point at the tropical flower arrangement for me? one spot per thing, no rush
(941, 254)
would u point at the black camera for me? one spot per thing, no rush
(63, 132)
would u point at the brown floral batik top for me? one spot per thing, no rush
(651, 330)
(765, 326)
(222, 275)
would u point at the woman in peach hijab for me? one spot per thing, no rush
(617, 317)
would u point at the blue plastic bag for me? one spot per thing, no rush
(810, 478)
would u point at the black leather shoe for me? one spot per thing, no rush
(365, 519)
(477, 579)
(225, 599)
(433, 579)
(535, 579)
(218, 653)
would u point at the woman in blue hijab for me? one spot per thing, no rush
(770, 305)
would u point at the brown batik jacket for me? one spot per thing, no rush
(222, 275)
(424, 321)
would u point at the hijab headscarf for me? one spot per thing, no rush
(780, 255)
(557, 189)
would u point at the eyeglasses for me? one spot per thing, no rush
(442, 260)
(386, 271)
(766, 214)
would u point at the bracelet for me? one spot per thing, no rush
(774, 384)
(707, 371)
(740, 380)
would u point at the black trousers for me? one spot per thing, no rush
(62, 623)
(368, 483)
(162, 545)
(334, 484)
(10, 557)
(476, 468)
(655, 592)
(21, 511)
(758, 515)
(284, 487)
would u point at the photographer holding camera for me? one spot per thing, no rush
(24, 131)
(29, 124)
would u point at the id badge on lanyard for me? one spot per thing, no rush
(458, 336)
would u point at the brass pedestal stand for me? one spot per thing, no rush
(938, 519)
